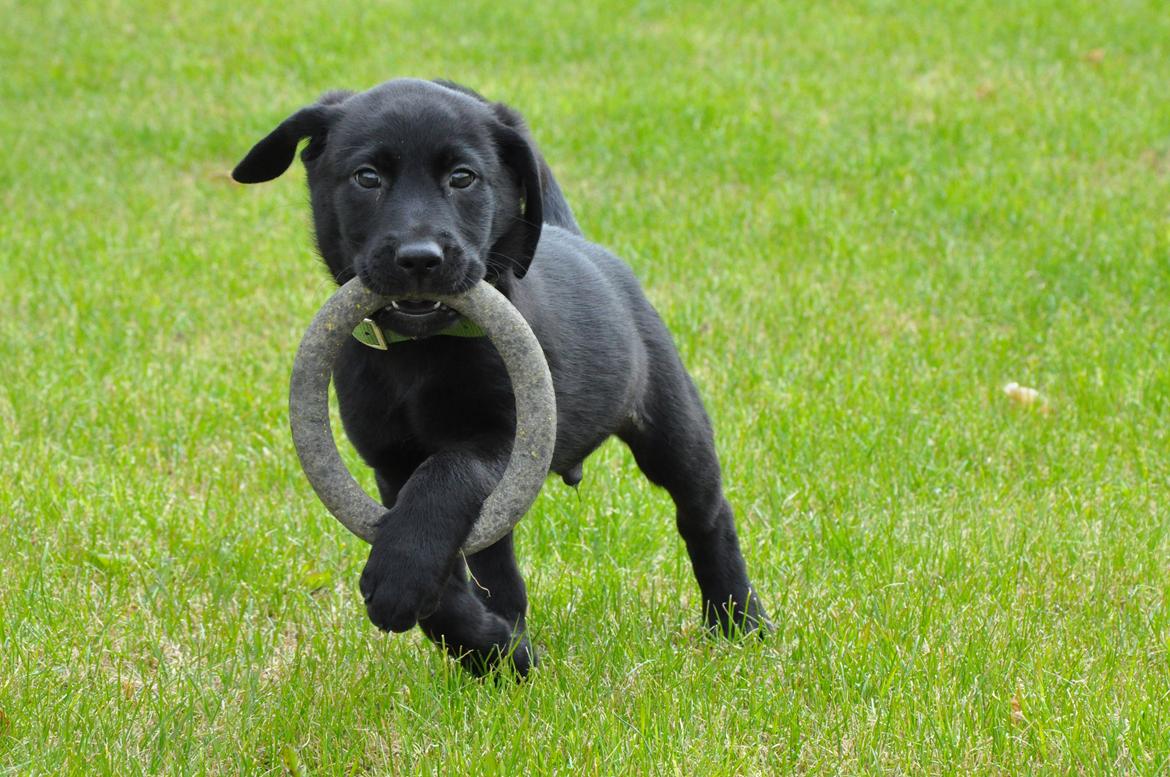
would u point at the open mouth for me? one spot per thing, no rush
(417, 307)
(415, 318)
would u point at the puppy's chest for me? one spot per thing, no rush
(437, 398)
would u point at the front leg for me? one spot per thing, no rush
(417, 545)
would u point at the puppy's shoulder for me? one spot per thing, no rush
(555, 240)
(572, 253)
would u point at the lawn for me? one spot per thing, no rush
(860, 219)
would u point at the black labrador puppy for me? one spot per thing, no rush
(426, 187)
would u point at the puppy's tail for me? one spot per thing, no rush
(556, 208)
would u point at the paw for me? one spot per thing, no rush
(515, 652)
(729, 618)
(400, 587)
(523, 657)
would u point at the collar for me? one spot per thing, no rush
(370, 334)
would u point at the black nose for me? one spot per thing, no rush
(419, 258)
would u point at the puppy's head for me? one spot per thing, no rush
(417, 188)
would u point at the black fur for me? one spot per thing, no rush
(434, 417)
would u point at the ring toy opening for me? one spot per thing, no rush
(531, 385)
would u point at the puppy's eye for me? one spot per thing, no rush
(367, 178)
(461, 178)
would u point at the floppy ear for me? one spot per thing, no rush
(520, 239)
(272, 155)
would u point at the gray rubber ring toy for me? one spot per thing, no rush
(536, 416)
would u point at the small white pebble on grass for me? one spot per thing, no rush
(1025, 396)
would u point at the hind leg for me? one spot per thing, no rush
(674, 446)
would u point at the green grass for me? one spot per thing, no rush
(860, 219)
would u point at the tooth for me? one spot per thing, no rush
(394, 304)
(436, 306)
